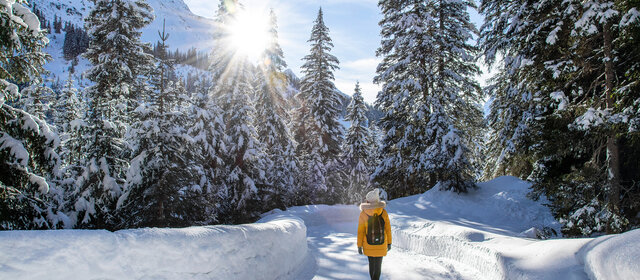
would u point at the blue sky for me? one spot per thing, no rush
(353, 26)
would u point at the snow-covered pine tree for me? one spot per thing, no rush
(272, 125)
(429, 96)
(609, 101)
(563, 60)
(116, 50)
(68, 105)
(398, 96)
(322, 100)
(356, 149)
(314, 177)
(207, 130)
(37, 99)
(118, 59)
(28, 145)
(222, 52)
(375, 142)
(162, 187)
(513, 127)
(71, 126)
(70, 123)
(273, 62)
(311, 177)
(459, 93)
(599, 103)
(512, 35)
(244, 155)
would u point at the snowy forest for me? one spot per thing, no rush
(132, 142)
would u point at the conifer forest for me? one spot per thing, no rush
(137, 141)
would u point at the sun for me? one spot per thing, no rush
(249, 33)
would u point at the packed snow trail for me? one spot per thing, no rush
(331, 234)
(488, 233)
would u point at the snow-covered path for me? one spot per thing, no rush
(332, 243)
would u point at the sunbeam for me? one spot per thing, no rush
(249, 33)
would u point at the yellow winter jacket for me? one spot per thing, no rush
(367, 210)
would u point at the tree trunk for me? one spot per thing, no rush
(613, 153)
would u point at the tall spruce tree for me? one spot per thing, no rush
(29, 162)
(272, 124)
(311, 178)
(162, 187)
(208, 132)
(37, 98)
(69, 121)
(322, 105)
(566, 69)
(429, 96)
(516, 33)
(118, 59)
(607, 101)
(244, 155)
(222, 53)
(357, 149)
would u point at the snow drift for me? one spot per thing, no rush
(270, 249)
(483, 229)
(613, 256)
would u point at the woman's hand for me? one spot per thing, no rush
(388, 247)
(360, 250)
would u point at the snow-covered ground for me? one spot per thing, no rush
(436, 235)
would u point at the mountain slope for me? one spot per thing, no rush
(187, 29)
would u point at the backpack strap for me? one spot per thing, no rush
(383, 210)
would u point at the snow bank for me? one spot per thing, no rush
(270, 249)
(481, 229)
(612, 256)
(499, 206)
(488, 262)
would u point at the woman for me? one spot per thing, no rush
(374, 232)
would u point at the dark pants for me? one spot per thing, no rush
(375, 265)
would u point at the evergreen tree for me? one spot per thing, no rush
(28, 145)
(71, 126)
(567, 64)
(207, 131)
(357, 150)
(312, 169)
(119, 58)
(513, 30)
(222, 52)
(76, 42)
(272, 128)
(57, 24)
(429, 97)
(606, 22)
(322, 101)
(162, 187)
(244, 155)
(36, 99)
(69, 119)
(375, 142)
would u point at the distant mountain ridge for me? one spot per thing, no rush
(186, 28)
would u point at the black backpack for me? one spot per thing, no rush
(375, 230)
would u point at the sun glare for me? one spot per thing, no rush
(249, 33)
